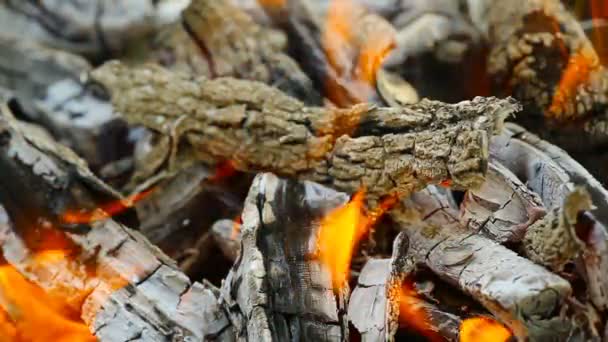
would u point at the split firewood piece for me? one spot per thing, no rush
(225, 41)
(540, 54)
(523, 295)
(368, 304)
(49, 91)
(95, 28)
(502, 208)
(124, 287)
(258, 128)
(278, 288)
(341, 49)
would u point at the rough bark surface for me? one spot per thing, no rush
(237, 46)
(532, 43)
(389, 150)
(277, 289)
(520, 293)
(125, 288)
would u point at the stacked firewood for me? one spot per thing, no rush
(201, 170)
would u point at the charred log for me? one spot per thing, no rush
(389, 150)
(124, 287)
(278, 290)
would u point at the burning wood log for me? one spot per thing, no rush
(550, 172)
(368, 304)
(95, 28)
(541, 55)
(278, 288)
(342, 50)
(482, 268)
(123, 287)
(389, 150)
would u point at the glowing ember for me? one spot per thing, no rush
(104, 211)
(577, 73)
(223, 170)
(412, 313)
(339, 234)
(482, 329)
(29, 314)
(355, 49)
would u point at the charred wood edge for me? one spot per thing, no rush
(97, 29)
(521, 294)
(226, 238)
(367, 308)
(48, 88)
(237, 46)
(502, 208)
(277, 288)
(158, 300)
(304, 27)
(550, 172)
(258, 128)
(534, 40)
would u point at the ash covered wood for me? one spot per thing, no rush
(389, 150)
(124, 287)
(502, 208)
(277, 288)
(520, 293)
(47, 85)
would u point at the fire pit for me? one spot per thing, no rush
(303, 170)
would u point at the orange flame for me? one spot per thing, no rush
(354, 53)
(580, 66)
(339, 234)
(29, 314)
(482, 329)
(413, 314)
(105, 211)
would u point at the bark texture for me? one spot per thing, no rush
(389, 150)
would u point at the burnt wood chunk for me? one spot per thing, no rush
(521, 294)
(278, 290)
